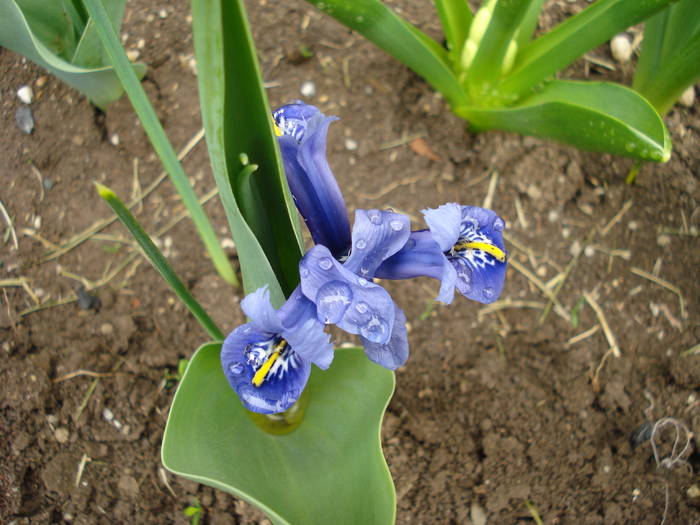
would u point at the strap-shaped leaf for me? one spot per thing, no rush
(596, 116)
(100, 84)
(670, 57)
(330, 470)
(380, 25)
(89, 51)
(565, 43)
(455, 17)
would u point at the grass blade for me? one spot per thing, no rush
(159, 140)
(159, 262)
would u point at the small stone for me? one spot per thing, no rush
(534, 192)
(688, 97)
(61, 434)
(25, 94)
(693, 492)
(553, 216)
(107, 414)
(633, 225)
(114, 140)
(575, 249)
(41, 81)
(133, 55)
(589, 251)
(128, 486)
(37, 222)
(227, 243)
(621, 48)
(77, 140)
(663, 240)
(48, 184)
(141, 43)
(106, 329)
(308, 89)
(350, 144)
(87, 301)
(24, 119)
(163, 13)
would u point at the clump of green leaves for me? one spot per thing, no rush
(194, 512)
(496, 75)
(61, 37)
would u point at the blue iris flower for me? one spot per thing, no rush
(463, 248)
(268, 360)
(302, 131)
(345, 295)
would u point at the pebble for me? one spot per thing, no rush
(77, 140)
(48, 183)
(107, 414)
(308, 89)
(621, 48)
(350, 144)
(589, 251)
(163, 13)
(61, 434)
(25, 94)
(133, 55)
(663, 240)
(87, 301)
(688, 97)
(41, 81)
(114, 140)
(24, 119)
(106, 329)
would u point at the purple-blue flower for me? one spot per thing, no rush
(345, 295)
(268, 360)
(463, 248)
(302, 131)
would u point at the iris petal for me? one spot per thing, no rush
(354, 303)
(394, 353)
(376, 236)
(420, 256)
(444, 223)
(258, 308)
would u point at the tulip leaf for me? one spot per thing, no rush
(596, 116)
(380, 25)
(329, 470)
(46, 35)
(455, 18)
(558, 48)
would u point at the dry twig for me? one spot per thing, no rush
(664, 284)
(603, 323)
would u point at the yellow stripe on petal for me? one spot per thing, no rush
(484, 247)
(278, 131)
(262, 372)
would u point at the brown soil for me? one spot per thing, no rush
(493, 410)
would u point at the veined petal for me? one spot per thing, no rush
(394, 353)
(258, 308)
(316, 193)
(444, 223)
(354, 303)
(420, 256)
(244, 352)
(376, 236)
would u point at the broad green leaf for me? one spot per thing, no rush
(669, 61)
(247, 128)
(565, 43)
(455, 17)
(596, 116)
(487, 66)
(528, 24)
(158, 260)
(89, 51)
(207, 28)
(100, 84)
(380, 25)
(158, 138)
(330, 470)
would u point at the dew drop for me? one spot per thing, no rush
(630, 146)
(498, 225)
(374, 330)
(364, 271)
(325, 263)
(236, 369)
(488, 292)
(396, 225)
(304, 272)
(361, 244)
(362, 281)
(361, 307)
(374, 217)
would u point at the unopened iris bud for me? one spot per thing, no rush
(509, 59)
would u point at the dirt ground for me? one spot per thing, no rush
(499, 415)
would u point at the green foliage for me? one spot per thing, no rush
(496, 76)
(329, 470)
(670, 58)
(59, 36)
(194, 512)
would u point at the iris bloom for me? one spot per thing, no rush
(345, 295)
(302, 131)
(463, 248)
(268, 360)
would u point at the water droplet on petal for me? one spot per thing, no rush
(374, 329)
(362, 281)
(304, 272)
(236, 369)
(246, 330)
(325, 263)
(488, 292)
(364, 271)
(396, 225)
(374, 217)
(332, 300)
(361, 307)
(361, 244)
(498, 225)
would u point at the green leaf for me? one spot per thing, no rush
(669, 61)
(158, 260)
(380, 25)
(159, 139)
(247, 125)
(596, 116)
(329, 470)
(528, 24)
(43, 35)
(455, 17)
(89, 51)
(207, 28)
(565, 43)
